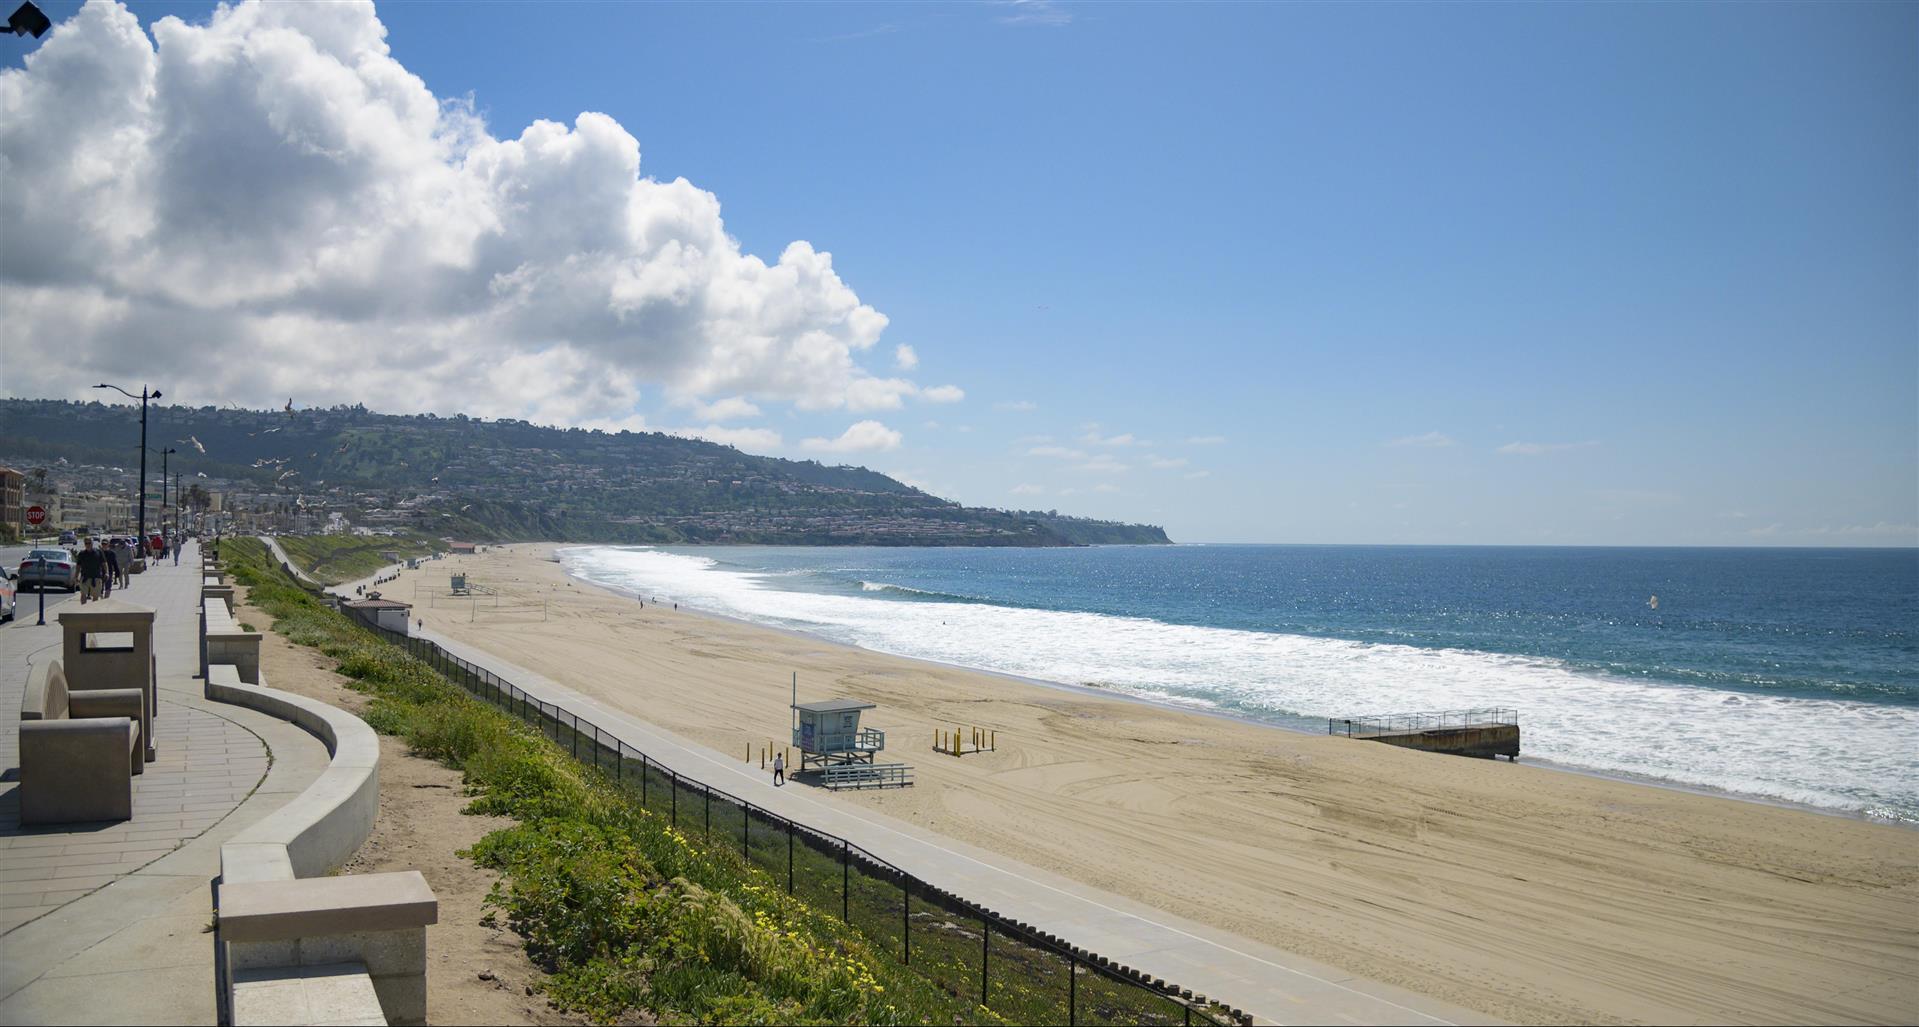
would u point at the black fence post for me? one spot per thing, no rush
(1072, 989)
(706, 830)
(846, 881)
(645, 765)
(576, 734)
(789, 857)
(985, 943)
(619, 763)
(906, 919)
(673, 800)
(596, 746)
(746, 829)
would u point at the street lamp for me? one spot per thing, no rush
(164, 453)
(28, 20)
(142, 397)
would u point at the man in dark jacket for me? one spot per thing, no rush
(93, 566)
(112, 553)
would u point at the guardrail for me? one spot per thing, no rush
(1413, 723)
(1016, 970)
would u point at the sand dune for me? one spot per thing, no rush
(1527, 893)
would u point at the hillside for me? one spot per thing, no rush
(509, 480)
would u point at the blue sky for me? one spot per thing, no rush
(1610, 274)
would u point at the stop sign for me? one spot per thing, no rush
(36, 515)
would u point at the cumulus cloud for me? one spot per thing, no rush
(906, 357)
(1017, 405)
(1430, 440)
(943, 394)
(1101, 465)
(752, 440)
(1024, 489)
(285, 208)
(1541, 448)
(1057, 452)
(732, 408)
(863, 437)
(1166, 463)
(1206, 440)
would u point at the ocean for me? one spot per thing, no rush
(1780, 674)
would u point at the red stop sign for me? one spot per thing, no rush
(36, 515)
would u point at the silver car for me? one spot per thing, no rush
(61, 570)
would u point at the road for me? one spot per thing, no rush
(28, 611)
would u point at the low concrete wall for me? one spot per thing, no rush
(275, 870)
(225, 642)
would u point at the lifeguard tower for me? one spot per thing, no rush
(830, 739)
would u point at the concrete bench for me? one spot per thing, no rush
(78, 751)
(280, 916)
(336, 993)
(227, 643)
(108, 644)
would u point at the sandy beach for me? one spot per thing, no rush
(1530, 894)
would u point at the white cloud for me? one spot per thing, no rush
(1206, 440)
(943, 394)
(274, 186)
(865, 436)
(1196, 475)
(1430, 440)
(1541, 448)
(1094, 438)
(1101, 465)
(1046, 13)
(1166, 463)
(1021, 405)
(752, 440)
(1105, 488)
(732, 408)
(1029, 490)
(906, 357)
(1057, 452)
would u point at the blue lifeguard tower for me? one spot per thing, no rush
(830, 739)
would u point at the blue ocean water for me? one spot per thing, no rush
(1777, 673)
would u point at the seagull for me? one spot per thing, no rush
(289, 406)
(201, 474)
(194, 442)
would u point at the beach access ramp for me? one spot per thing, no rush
(1489, 732)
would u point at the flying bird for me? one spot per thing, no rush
(289, 406)
(193, 441)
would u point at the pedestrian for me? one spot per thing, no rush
(176, 550)
(92, 565)
(113, 568)
(779, 769)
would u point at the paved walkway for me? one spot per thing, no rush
(1274, 986)
(108, 923)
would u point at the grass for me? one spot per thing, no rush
(629, 915)
(337, 558)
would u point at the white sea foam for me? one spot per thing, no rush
(1825, 752)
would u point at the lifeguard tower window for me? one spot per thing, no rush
(108, 642)
(828, 733)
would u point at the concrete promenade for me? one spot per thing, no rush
(110, 923)
(1274, 986)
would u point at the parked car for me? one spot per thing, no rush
(61, 571)
(68, 538)
(9, 596)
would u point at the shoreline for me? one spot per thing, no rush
(1624, 777)
(1517, 890)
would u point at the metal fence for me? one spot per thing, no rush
(1413, 723)
(1021, 973)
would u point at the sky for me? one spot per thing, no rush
(1619, 274)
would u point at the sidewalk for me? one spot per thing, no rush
(108, 923)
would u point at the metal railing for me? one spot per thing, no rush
(1413, 723)
(1014, 969)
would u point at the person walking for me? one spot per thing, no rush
(113, 568)
(176, 549)
(779, 769)
(93, 564)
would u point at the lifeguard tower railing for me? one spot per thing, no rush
(1416, 723)
(865, 740)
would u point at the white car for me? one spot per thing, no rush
(9, 596)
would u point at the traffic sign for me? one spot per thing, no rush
(36, 515)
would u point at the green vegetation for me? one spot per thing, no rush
(632, 918)
(337, 558)
(509, 480)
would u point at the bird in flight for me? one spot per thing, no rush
(289, 406)
(193, 441)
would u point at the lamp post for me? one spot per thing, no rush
(142, 397)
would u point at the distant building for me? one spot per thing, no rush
(13, 499)
(462, 547)
(385, 613)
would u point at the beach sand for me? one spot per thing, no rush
(1527, 893)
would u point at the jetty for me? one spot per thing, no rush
(1488, 732)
